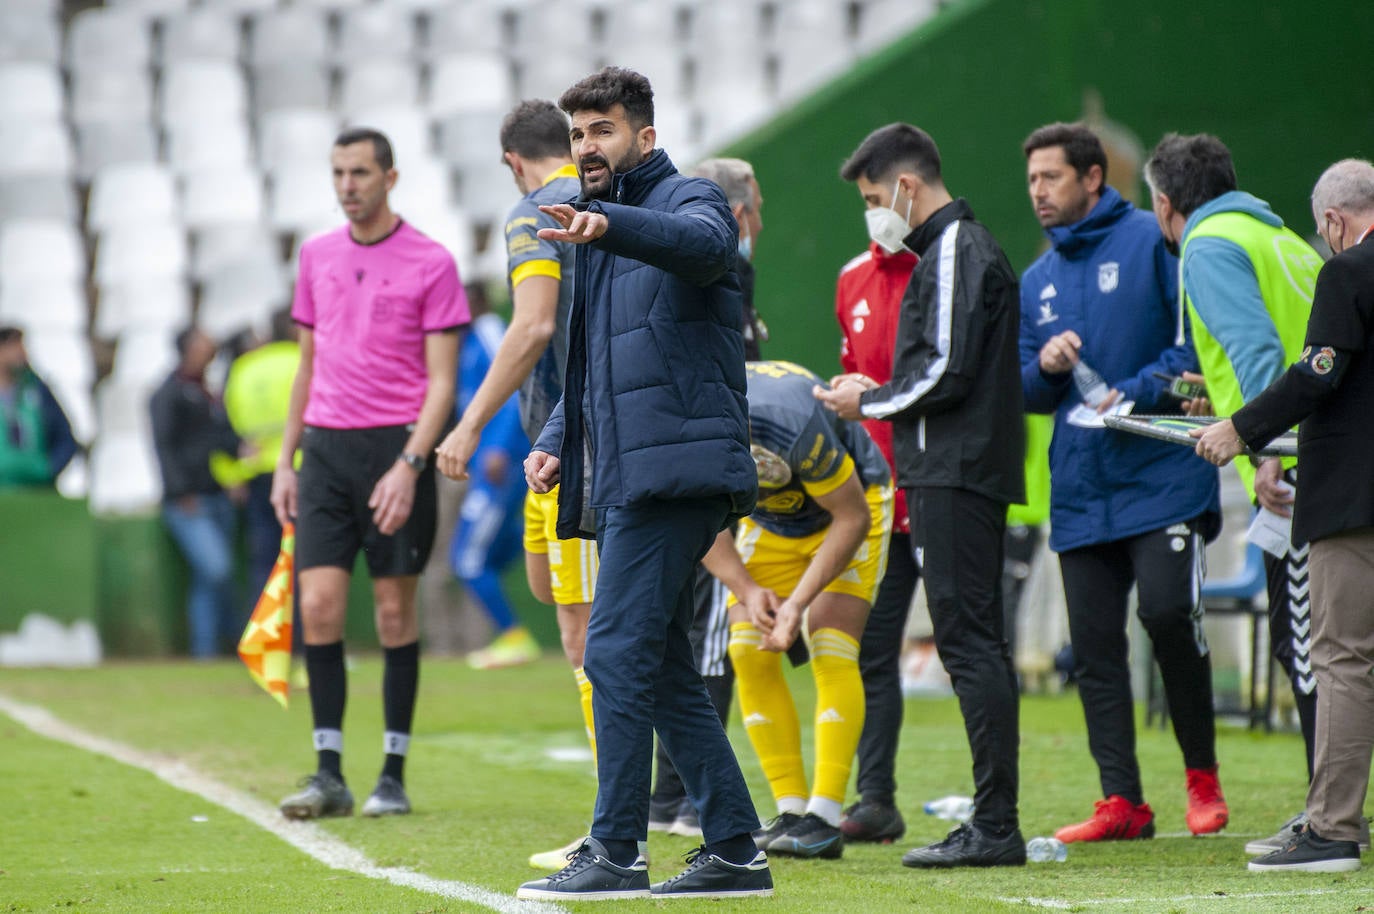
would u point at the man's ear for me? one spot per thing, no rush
(647, 137)
(1094, 179)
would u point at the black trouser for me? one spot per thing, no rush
(880, 654)
(1165, 566)
(1290, 631)
(957, 536)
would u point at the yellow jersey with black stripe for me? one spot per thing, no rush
(529, 255)
(802, 450)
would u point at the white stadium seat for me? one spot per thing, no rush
(290, 84)
(30, 34)
(217, 245)
(106, 143)
(36, 148)
(117, 92)
(145, 354)
(206, 33)
(30, 91)
(408, 130)
(156, 301)
(301, 197)
(206, 145)
(40, 301)
(41, 249)
(464, 27)
(130, 193)
(238, 296)
(203, 90)
(377, 31)
(125, 479)
(293, 137)
(230, 196)
(108, 39)
(470, 82)
(139, 250)
(296, 34)
(38, 197)
(378, 83)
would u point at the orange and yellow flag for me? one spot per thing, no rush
(265, 647)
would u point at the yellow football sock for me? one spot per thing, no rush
(770, 718)
(839, 709)
(584, 687)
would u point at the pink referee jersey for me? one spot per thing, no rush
(370, 307)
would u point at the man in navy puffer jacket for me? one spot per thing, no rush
(1124, 510)
(652, 435)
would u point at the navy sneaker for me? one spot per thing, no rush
(590, 876)
(710, 876)
(867, 821)
(1309, 852)
(809, 836)
(776, 826)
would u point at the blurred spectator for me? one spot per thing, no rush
(490, 527)
(257, 396)
(35, 437)
(189, 423)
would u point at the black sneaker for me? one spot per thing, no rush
(867, 821)
(388, 799)
(709, 876)
(321, 794)
(590, 876)
(1309, 852)
(809, 836)
(968, 845)
(687, 824)
(663, 813)
(776, 826)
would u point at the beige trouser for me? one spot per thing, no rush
(1342, 569)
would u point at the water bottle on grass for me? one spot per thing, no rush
(1046, 850)
(953, 808)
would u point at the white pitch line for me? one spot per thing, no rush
(304, 836)
(1064, 905)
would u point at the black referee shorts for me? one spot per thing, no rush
(339, 469)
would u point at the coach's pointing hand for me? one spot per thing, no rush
(578, 227)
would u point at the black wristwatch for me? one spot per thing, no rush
(414, 461)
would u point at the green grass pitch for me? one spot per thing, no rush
(82, 832)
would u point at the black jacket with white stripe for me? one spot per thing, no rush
(955, 395)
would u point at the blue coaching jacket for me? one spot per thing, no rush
(1109, 278)
(655, 355)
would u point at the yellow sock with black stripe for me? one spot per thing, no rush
(839, 718)
(770, 717)
(584, 688)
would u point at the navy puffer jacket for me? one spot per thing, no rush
(655, 355)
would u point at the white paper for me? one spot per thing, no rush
(1272, 533)
(1085, 416)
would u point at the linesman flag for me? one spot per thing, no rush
(265, 647)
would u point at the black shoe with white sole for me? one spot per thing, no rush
(1309, 852)
(711, 876)
(809, 836)
(590, 876)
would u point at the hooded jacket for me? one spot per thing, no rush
(1109, 279)
(955, 396)
(654, 401)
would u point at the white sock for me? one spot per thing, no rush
(795, 805)
(329, 739)
(394, 743)
(829, 810)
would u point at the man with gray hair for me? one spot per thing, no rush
(1330, 390)
(736, 178)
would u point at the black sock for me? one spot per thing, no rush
(1307, 719)
(739, 850)
(621, 853)
(400, 682)
(324, 664)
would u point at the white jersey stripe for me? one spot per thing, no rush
(901, 399)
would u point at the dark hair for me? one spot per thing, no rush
(1082, 148)
(1190, 170)
(608, 87)
(9, 332)
(381, 146)
(536, 129)
(888, 149)
(283, 325)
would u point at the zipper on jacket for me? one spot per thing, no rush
(921, 435)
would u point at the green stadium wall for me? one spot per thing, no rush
(1281, 82)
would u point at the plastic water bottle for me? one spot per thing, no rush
(1091, 386)
(1046, 850)
(953, 808)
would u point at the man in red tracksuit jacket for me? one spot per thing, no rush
(868, 297)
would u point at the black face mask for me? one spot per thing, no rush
(1171, 247)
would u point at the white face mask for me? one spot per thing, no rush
(887, 227)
